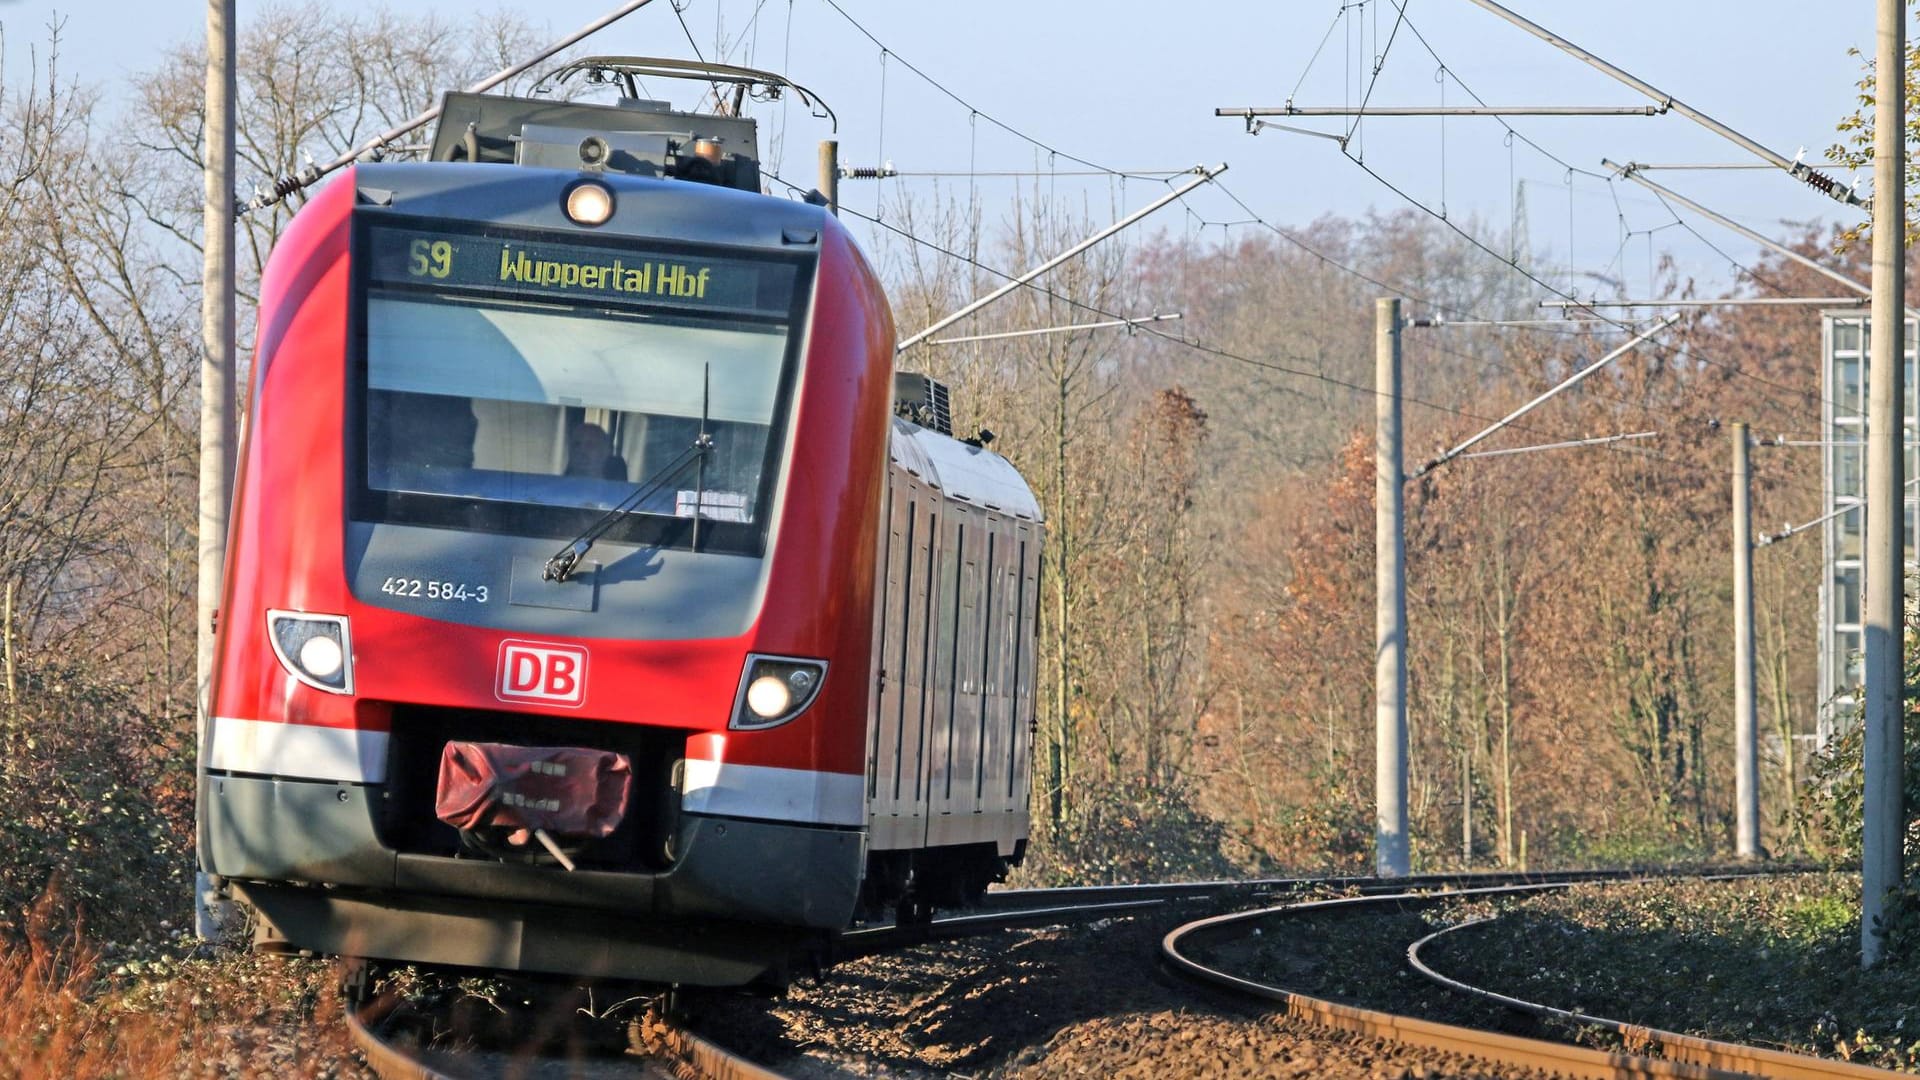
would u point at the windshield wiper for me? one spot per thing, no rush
(567, 559)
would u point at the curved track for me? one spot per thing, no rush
(1010, 908)
(390, 1061)
(1682, 1055)
(1672, 1045)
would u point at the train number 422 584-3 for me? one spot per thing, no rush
(435, 590)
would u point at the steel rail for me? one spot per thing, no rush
(1561, 1058)
(388, 1061)
(704, 1056)
(1708, 1053)
(1010, 908)
(709, 1059)
(1200, 890)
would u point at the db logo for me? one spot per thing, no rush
(546, 674)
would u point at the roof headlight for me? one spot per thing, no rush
(775, 689)
(589, 203)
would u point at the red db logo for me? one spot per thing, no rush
(541, 673)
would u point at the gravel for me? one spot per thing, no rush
(1768, 961)
(1060, 1001)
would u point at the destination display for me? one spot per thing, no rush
(577, 271)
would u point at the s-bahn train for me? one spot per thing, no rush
(598, 601)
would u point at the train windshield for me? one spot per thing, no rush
(530, 404)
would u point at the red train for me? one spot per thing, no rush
(593, 604)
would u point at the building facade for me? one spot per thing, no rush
(1843, 407)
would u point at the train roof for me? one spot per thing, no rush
(963, 472)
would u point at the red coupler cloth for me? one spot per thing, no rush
(567, 791)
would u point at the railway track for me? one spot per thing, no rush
(687, 1053)
(1654, 1053)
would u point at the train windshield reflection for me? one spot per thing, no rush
(529, 404)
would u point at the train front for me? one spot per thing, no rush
(546, 637)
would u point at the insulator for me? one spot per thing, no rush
(868, 172)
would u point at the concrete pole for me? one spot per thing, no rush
(830, 174)
(216, 381)
(1881, 766)
(1390, 849)
(1746, 730)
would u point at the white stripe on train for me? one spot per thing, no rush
(304, 751)
(725, 789)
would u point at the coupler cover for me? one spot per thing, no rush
(567, 792)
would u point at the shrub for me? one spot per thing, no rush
(1834, 801)
(99, 797)
(1126, 833)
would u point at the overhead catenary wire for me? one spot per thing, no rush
(1568, 444)
(1201, 175)
(1631, 172)
(1208, 349)
(1513, 262)
(1565, 384)
(1621, 325)
(1791, 531)
(288, 184)
(679, 14)
(1713, 301)
(1521, 269)
(1798, 170)
(1067, 329)
(1363, 111)
(1051, 150)
(1293, 239)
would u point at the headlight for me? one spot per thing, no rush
(321, 657)
(775, 689)
(768, 697)
(314, 649)
(589, 203)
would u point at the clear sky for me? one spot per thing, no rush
(1134, 86)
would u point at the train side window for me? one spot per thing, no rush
(946, 631)
(991, 595)
(969, 628)
(928, 633)
(1016, 690)
(899, 673)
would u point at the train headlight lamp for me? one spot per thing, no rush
(321, 657)
(768, 697)
(589, 203)
(315, 649)
(775, 689)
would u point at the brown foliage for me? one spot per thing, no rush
(62, 1015)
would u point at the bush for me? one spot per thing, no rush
(1834, 801)
(1329, 829)
(1128, 833)
(99, 799)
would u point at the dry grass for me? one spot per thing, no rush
(163, 1012)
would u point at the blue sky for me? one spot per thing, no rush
(1134, 86)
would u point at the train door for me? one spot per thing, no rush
(992, 735)
(1027, 575)
(895, 597)
(948, 674)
